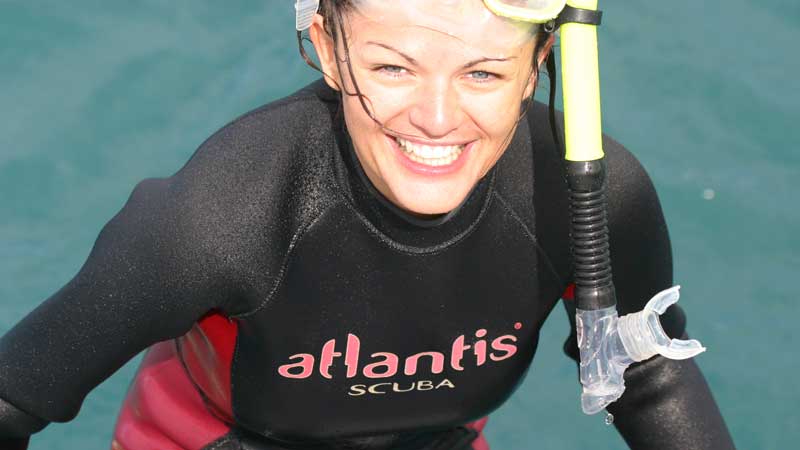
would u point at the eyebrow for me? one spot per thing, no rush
(389, 47)
(485, 59)
(416, 63)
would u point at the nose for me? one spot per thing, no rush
(437, 110)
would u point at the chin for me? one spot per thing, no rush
(433, 204)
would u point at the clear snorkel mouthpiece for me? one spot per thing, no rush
(609, 344)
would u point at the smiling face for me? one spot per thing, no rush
(445, 82)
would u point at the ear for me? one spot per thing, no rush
(323, 45)
(540, 58)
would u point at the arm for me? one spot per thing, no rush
(667, 404)
(16, 426)
(140, 284)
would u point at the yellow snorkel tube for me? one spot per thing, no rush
(608, 343)
(580, 75)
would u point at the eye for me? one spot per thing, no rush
(392, 71)
(482, 76)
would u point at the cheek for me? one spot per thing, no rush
(495, 114)
(368, 137)
(384, 102)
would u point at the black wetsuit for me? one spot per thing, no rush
(354, 319)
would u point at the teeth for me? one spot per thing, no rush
(439, 155)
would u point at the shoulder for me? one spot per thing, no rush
(263, 160)
(247, 189)
(634, 211)
(640, 244)
(627, 178)
(292, 126)
(633, 204)
(629, 184)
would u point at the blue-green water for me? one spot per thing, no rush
(95, 96)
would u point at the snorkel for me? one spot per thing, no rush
(608, 344)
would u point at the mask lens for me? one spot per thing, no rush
(536, 11)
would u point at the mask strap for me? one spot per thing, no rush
(552, 75)
(571, 14)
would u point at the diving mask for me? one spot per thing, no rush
(533, 11)
(467, 20)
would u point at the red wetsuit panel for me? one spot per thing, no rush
(163, 410)
(480, 442)
(569, 292)
(207, 350)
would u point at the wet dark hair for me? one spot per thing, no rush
(334, 11)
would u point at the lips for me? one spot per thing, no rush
(429, 158)
(432, 155)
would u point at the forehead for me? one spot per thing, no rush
(466, 24)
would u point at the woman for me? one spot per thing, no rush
(363, 264)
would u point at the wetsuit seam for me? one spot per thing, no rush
(296, 238)
(532, 237)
